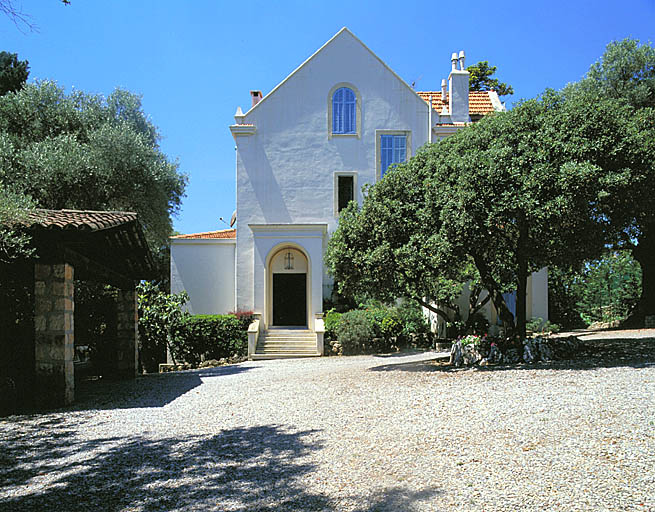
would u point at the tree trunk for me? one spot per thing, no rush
(434, 309)
(521, 296)
(522, 283)
(475, 306)
(497, 299)
(644, 253)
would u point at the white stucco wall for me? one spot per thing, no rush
(205, 269)
(285, 170)
(537, 303)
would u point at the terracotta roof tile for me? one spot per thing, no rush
(85, 220)
(479, 101)
(223, 233)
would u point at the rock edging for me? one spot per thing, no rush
(531, 351)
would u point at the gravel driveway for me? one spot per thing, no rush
(363, 433)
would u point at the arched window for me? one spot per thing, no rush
(344, 112)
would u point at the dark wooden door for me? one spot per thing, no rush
(289, 299)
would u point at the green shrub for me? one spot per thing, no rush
(412, 319)
(160, 315)
(538, 325)
(355, 331)
(377, 327)
(210, 337)
(391, 327)
(332, 321)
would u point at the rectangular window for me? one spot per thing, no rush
(393, 150)
(346, 191)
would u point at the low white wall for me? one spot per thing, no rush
(205, 269)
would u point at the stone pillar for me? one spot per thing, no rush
(126, 364)
(54, 344)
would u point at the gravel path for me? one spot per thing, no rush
(363, 433)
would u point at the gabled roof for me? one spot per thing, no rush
(480, 102)
(342, 31)
(207, 235)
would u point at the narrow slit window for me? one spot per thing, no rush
(346, 192)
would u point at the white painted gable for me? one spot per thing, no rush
(286, 169)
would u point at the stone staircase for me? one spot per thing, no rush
(278, 343)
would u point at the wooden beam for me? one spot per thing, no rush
(87, 269)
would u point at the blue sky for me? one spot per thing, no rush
(195, 62)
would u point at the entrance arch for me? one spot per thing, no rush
(289, 287)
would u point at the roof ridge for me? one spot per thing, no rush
(70, 210)
(199, 234)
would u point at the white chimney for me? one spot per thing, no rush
(256, 97)
(444, 90)
(458, 98)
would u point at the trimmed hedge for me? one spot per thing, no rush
(201, 337)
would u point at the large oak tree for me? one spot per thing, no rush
(626, 74)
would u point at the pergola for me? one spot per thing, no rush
(106, 247)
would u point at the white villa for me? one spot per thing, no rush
(304, 150)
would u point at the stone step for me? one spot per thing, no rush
(286, 343)
(285, 355)
(269, 350)
(287, 340)
(302, 344)
(290, 331)
(283, 338)
(289, 335)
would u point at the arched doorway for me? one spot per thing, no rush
(288, 288)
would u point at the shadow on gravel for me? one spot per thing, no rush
(604, 353)
(398, 499)
(151, 390)
(256, 468)
(402, 353)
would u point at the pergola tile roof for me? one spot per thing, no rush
(207, 235)
(106, 246)
(85, 220)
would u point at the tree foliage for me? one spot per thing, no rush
(549, 183)
(607, 288)
(480, 79)
(14, 209)
(84, 151)
(382, 250)
(511, 198)
(625, 74)
(13, 73)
